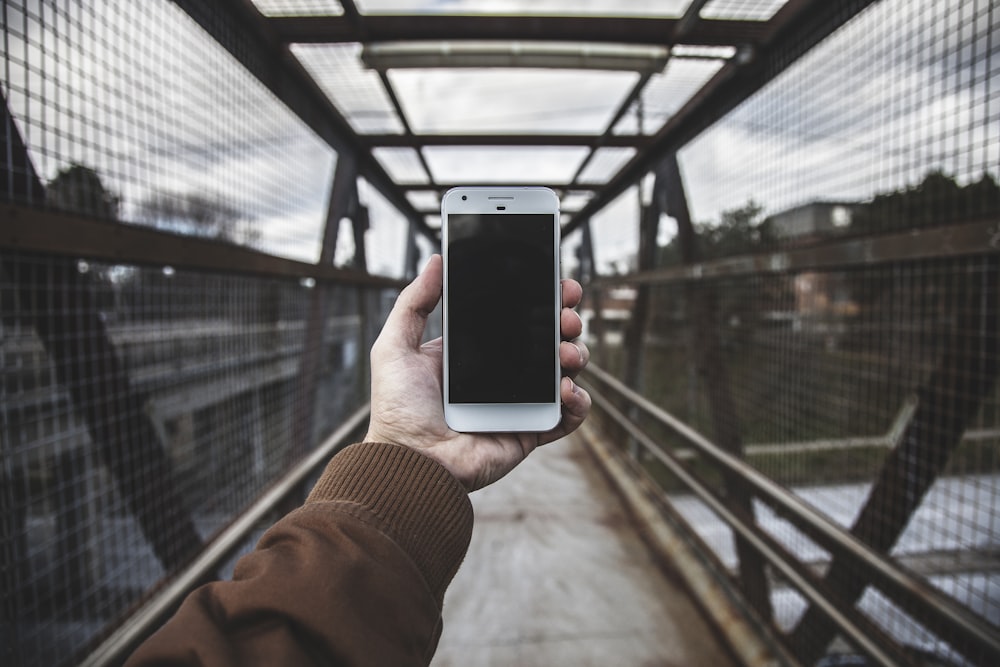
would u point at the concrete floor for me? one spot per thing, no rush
(556, 575)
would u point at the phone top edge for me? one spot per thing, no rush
(479, 196)
(480, 189)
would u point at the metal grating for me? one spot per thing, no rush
(122, 128)
(356, 91)
(747, 10)
(211, 369)
(666, 93)
(505, 101)
(299, 7)
(402, 164)
(838, 127)
(866, 385)
(132, 113)
(143, 407)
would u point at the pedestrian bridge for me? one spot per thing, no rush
(786, 218)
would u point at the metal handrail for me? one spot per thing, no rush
(939, 613)
(978, 237)
(144, 621)
(45, 231)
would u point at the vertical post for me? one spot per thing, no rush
(635, 335)
(712, 368)
(341, 198)
(412, 257)
(359, 226)
(594, 294)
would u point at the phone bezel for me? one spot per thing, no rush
(501, 417)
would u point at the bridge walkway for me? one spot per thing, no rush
(557, 574)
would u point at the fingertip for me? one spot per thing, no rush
(576, 405)
(572, 293)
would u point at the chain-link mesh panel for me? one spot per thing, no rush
(142, 410)
(131, 112)
(868, 388)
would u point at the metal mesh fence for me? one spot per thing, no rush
(130, 111)
(142, 408)
(861, 377)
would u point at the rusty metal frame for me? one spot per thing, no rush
(959, 240)
(632, 30)
(36, 230)
(797, 27)
(764, 48)
(941, 614)
(571, 140)
(238, 27)
(144, 621)
(703, 306)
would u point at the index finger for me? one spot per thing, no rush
(404, 327)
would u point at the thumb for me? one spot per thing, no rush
(404, 327)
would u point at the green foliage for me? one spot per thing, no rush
(937, 200)
(738, 231)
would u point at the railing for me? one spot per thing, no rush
(143, 621)
(153, 421)
(973, 637)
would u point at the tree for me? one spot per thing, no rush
(739, 231)
(937, 200)
(79, 189)
(197, 215)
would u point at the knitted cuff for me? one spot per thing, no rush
(414, 499)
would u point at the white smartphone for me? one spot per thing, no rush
(501, 308)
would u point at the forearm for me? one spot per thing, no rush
(354, 577)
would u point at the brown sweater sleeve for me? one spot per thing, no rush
(355, 576)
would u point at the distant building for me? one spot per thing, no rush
(617, 304)
(823, 299)
(813, 220)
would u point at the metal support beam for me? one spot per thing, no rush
(635, 334)
(343, 195)
(76, 236)
(702, 304)
(967, 239)
(803, 25)
(239, 28)
(422, 27)
(420, 140)
(593, 293)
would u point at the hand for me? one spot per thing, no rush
(406, 399)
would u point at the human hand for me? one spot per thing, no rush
(406, 399)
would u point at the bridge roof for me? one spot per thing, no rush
(583, 97)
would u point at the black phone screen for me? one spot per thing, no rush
(501, 308)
